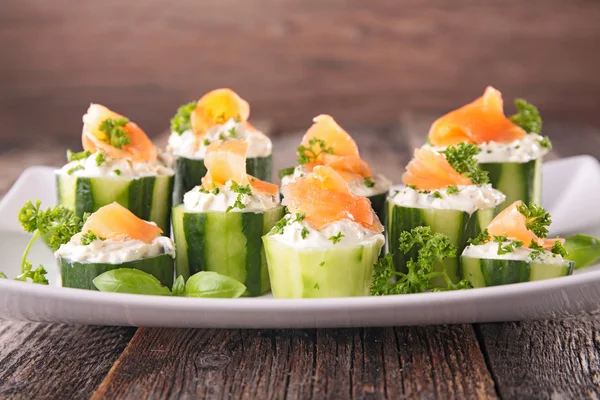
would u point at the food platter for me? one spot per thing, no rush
(571, 192)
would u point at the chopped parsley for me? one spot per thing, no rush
(453, 189)
(299, 217)
(536, 250)
(280, 226)
(369, 182)
(305, 232)
(462, 159)
(508, 248)
(77, 156)
(337, 238)
(181, 122)
(206, 142)
(75, 168)
(437, 195)
(100, 159)
(117, 172)
(241, 191)
(482, 238)
(413, 187)
(315, 148)
(527, 116)
(537, 219)
(558, 249)
(89, 237)
(286, 172)
(116, 136)
(232, 133)
(216, 190)
(545, 142)
(201, 189)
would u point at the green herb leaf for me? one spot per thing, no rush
(537, 219)
(315, 147)
(178, 287)
(453, 189)
(116, 136)
(527, 116)
(181, 122)
(77, 156)
(584, 250)
(536, 250)
(232, 133)
(286, 172)
(279, 227)
(558, 249)
(369, 182)
(2, 276)
(128, 280)
(117, 172)
(241, 191)
(89, 237)
(206, 142)
(74, 169)
(37, 275)
(545, 142)
(212, 284)
(509, 247)
(482, 238)
(437, 195)
(337, 238)
(304, 232)
(462, 159)
(100, 159)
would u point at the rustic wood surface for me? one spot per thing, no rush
(513, 360)
(362, 61)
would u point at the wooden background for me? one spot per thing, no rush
(363, 61)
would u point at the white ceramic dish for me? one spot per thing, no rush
(571, 194)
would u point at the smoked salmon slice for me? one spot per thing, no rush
(217, 107)
(226, 161)
(93, 138)
(512, 223)
(478, 122)
(114, 221)
(323, 197)
(429, 170)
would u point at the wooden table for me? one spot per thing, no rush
(513, 360)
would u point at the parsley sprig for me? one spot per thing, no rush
(510, 247)
(241, 191)
(537, 220)
(432, 249)
(482, 238)
(116, 135)
(181, 121)
(286, 171)
(77, 156)
(88, 237)
(462, 159)
(315, 148)
(337, 238)
(527, 116)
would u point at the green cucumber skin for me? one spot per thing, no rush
(80, 275)
(518, 181)
(189, 173)
(320, 273)
(488, 272)
(458, 225)
(227, 243)
(378, 204)
(149, 198)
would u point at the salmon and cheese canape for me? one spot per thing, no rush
(112, 238)
(446, 191)
(219, 225)
(118, 163)
(515, 248)
(326, 143)
(328, 243)
(511, 148)
(219, 115)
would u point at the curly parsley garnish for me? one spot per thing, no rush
(536, 250)
(558, 249)
(437, 195)
(116, 136)
(286, 172)
(433, 248)
(280, 226)
(315, 148)
(77, 156)
(482, 238)
(241, 191)
(527, 116)
(89, 237)
(336, 238)
(510, 247)
(369, 182)
(537, 219)
(462, 159)
(100, 159)
(545, 142)
(232, 133)
(452, 189)
(181, 122)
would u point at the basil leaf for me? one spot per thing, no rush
(128, 280)
(584, 250)
(212, 284)
(179, 287)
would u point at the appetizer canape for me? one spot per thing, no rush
(326, 143)
(220, 223)
(515, 249)
(219, 115)
(447, 192)
(511, 148)
(119, 163)
(328, 243)
(112, 238)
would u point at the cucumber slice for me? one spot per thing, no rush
(378, 204)
(518, 181)
(80, 275)
(459, 226)
(227, 243)
(148, 198)
(484, 272)
(189, 173)
(311, 273)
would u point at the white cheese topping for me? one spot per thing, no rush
(184, 145)
(91, 167)
(114, 251)
(467, 198)
(489, 250)
(349, 233)
(197, 200)
(357, 186)
(518, 151)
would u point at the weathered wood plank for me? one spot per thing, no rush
(544, 359)
(44, 361)
(414, 362)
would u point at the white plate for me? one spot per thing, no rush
(571, 193)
